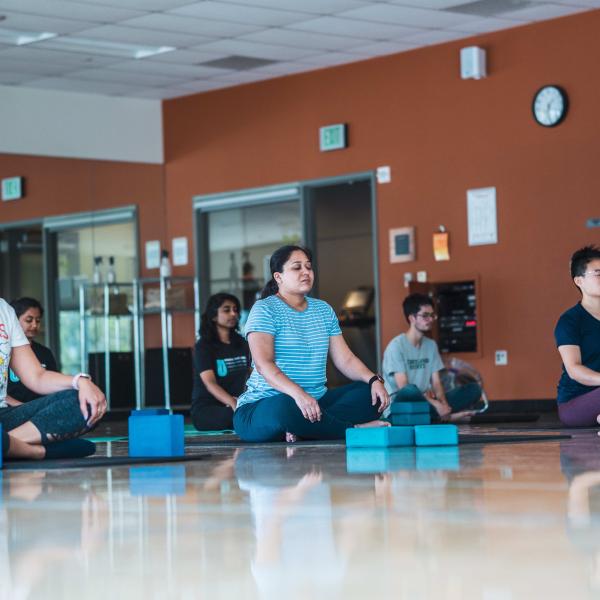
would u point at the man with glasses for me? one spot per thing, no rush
(412, 365)
(577, 335)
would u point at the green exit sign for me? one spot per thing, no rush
(332, 137)
(12, 188)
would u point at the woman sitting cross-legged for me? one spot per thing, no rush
(29, 312)
(221, 362)
(290, 335)
(44, 427)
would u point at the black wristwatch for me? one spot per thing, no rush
(375, 378)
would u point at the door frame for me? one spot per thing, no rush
(299, 190)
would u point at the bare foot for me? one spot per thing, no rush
(20, 449)
(290, 438)
(377, 423)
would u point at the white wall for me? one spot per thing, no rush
(72, 125)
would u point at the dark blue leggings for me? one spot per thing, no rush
(57, 417)
(269, 419)
(460, 398)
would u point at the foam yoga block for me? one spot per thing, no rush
(379, 437)
(409, 408)
(152, 434)
(436, 435)
(379, 460)
(411, 419)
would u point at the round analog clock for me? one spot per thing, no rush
(550, 105)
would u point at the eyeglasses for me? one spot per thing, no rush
(595, 272)
(430, 315)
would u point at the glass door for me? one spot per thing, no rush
(238, 243)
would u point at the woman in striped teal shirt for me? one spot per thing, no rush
(290, 335)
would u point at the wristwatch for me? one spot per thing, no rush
(75, 382)
(375, 378)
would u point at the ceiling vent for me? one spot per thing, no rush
(237, 63)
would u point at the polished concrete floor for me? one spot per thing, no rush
(489, 522)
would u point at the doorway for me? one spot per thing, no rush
(237, 232)
(341, 235)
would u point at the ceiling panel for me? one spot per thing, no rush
(131, 35)
(352, 27)
(317, 7)
(406, 15)
(301, 39)
(116, 76)
(169, 70)
(142, 5)
(191, 25)
(83, 85)
(33, 23)
(40, 53)
(235, 13)
(71, 10)
(255, 49)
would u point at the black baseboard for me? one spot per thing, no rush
(522, 406)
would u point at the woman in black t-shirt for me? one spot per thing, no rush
(29, 312)
(221, 364)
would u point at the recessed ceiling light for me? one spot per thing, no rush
(109, 48)
(22, 38)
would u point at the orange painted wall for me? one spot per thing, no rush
(441, 136)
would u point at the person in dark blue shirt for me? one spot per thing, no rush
(577, 335)
(221, 365)
(29, 312)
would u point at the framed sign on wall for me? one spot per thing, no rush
(402, 244)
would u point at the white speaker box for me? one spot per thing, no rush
(472, 63)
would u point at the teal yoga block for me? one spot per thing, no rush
(411, 419)
(152, 434)
(379, 460)
(379, 437)
(438, 458)
(436, 435)
(409, 408)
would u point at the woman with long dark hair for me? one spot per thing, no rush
(290, 336)
(29, 311)
(221, 363)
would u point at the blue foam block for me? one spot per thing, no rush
(379, 437)
(438, 458)
(159, 480)
(404, 408)
(156, 435)
(147, 412)
(436, 435)
(411, 419)
(379, 460)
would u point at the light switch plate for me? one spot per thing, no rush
(501, 358)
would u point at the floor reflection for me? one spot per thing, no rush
(494, 522)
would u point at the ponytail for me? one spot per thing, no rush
(270, 289)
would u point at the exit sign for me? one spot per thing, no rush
(12, 188)
(332, 137)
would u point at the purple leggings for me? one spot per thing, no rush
(581, 411)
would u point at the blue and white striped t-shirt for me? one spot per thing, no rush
(301, 344)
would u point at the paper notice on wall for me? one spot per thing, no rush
(481, 216)
(180, 251)
(441, 246)
(152, 254)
